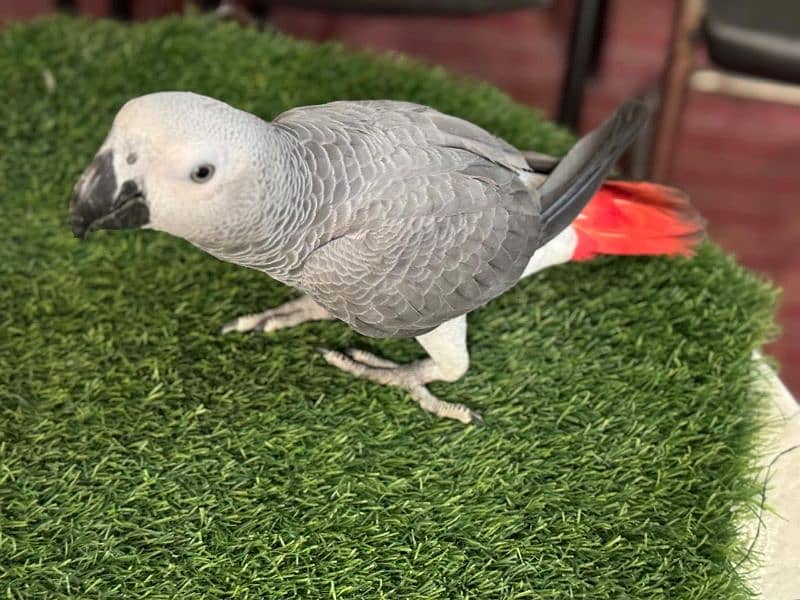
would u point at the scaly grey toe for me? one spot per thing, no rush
(409, 377)
(284, 316)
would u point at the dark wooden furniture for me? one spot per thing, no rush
(754, 46)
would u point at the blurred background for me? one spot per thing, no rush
(724, 74)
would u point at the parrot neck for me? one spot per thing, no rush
(278, 227)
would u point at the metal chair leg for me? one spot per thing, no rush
(585, 39)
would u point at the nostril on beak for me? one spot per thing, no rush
(97, 202)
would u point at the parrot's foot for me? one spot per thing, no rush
(281, 317)
(412, 377)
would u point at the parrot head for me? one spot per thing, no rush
(176, 162)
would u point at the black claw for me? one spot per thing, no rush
(476, 419)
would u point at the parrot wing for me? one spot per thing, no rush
(405, 276)
(421, 216)
(428, 216)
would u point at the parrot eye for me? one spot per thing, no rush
(202, 173)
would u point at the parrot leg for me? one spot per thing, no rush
(286, 315)
(555, 252)
(448, 361)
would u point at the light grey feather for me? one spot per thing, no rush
(418, 216)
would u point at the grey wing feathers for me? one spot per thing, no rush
(428, 222)
(542, 164)
(387, 115)
(407, 275)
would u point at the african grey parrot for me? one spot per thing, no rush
(390, 216)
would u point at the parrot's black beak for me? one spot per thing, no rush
(96, 203)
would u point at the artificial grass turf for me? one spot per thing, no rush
(144, 455)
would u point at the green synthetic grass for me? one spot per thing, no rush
(144, 455)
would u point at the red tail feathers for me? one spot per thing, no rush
(633, 217)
